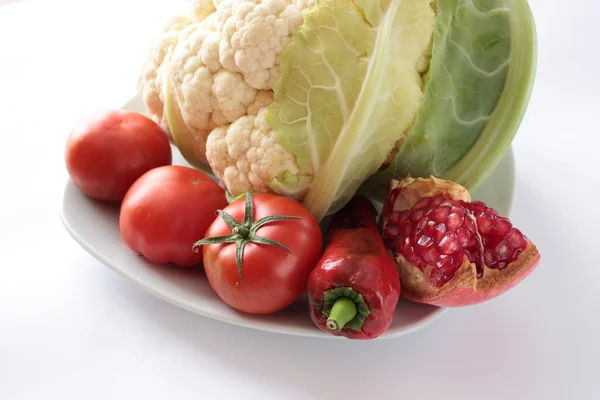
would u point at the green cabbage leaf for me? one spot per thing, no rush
(480, 80)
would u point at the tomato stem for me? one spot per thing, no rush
(342, 312)
(242, 231)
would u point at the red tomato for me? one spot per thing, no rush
(165, 212)
(271, 278)
(108, 150)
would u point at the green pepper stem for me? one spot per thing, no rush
(343, 311)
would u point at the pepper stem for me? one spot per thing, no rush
(343, 311)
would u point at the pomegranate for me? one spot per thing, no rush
(451, 251)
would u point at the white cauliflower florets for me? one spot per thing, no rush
(253, 46)
(221, 63)
(247, 155)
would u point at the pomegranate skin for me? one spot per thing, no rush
(472, 282)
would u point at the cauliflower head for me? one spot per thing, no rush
(208, 79)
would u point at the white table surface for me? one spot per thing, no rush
(72, 329)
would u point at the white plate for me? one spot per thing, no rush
(94, 225)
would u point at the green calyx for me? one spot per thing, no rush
(244, 232)
(345, 308)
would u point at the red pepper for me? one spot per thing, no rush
(354, 288)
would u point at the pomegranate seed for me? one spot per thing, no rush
(446, 263)
(430, 228)
(473, 242)
(447, 203)
(394, 218)
(488, 258)
(422, 224)
(437, 201)
(457, 208)
(516, 253)
(430, 255)
(421, 204)
(477, 207)
(416, 260)
(449, 244)
(503, 225)
(440, 214)
(455, 220)
(489, 241)
(410, 254)
(415, 216)
(464, 236)
(437, 278)
(485, 224)
(405, 245)
(416, 236)
(403, 217)
(503, 252)
(515, 238)
(441, 227)
(501, 265)
(440, 231)
(444, 272)
(425, 241)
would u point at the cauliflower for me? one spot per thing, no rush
(247, 156)
(212, 72)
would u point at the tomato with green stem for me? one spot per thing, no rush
(259, 252)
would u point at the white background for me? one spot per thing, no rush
(72, 329)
